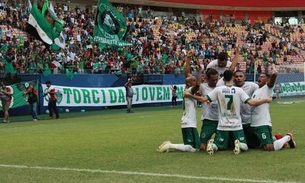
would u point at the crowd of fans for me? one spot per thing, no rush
(159, 43)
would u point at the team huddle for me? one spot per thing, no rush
(236, 111)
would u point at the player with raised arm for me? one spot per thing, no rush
(229, 99)
(221, 64)
(232, 66)
(210, 110)
(260, 131)
(189, 78)
(188, 121)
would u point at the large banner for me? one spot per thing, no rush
(110, 25)
(94, 97)
(292, 89)
(18, 97)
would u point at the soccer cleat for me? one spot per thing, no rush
(210, 149)
(291, 142)
(278, 136)
(4, 121)
(158, 149)
(236, 149)
(164, 147)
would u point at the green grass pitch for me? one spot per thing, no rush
(112, 146)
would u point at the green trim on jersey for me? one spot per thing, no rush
(209, 98)
(246, 101)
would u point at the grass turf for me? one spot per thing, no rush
(115, 141)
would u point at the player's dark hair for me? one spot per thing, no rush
(228, 75)
(267, 75)
(223, 56)
(175, 87)
(210, 72)
(239, 71)
(48, 82)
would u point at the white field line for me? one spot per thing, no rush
(141, 173)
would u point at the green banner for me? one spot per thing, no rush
(291, 89)
(110, 25)
(17, 91)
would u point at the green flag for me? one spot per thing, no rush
(48, 33)
(8, 66)
(21, 38)
(4, 47)
(102, 46)
(47, 72)
(58, 27)
(69, 74)
(118, 73)
(110, 25)
(45, 7)
(164, 58)
(40, 23)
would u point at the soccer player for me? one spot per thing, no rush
(209, 115)
(188, 121)
(231, 67)
(229, 99)
(187, 70)
(220, 64)
(210, 110)
(249, 88)
(260, 131)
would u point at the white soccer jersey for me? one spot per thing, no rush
(229, 100)
(260, 114)
(209, 109)
(221, 82)
(214, 65)
(249, 88)
(189, 118)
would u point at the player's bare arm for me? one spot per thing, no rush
(256, 102)
(198, 98)
(271, 81)
(187, 70)
(199, 78)
(235, 59)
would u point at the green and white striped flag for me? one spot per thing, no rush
(52, 35)
(43, 27)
